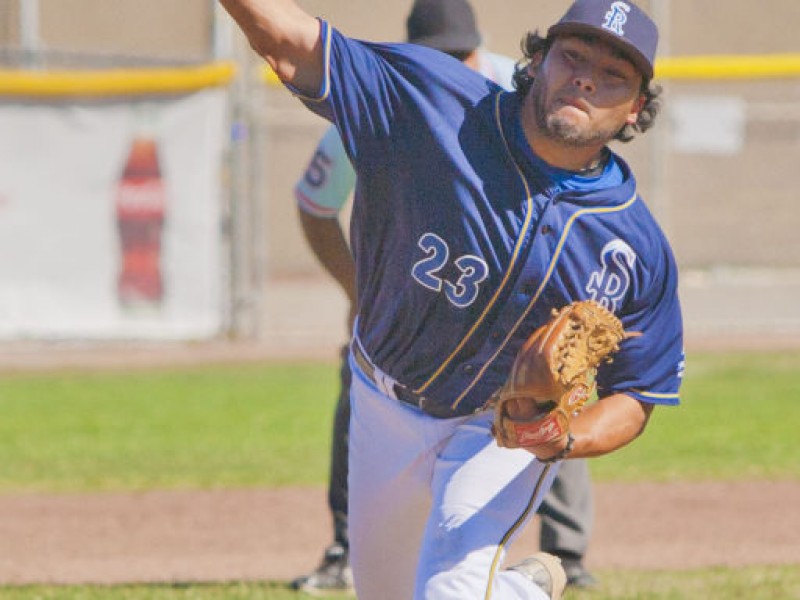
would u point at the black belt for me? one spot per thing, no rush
(400, 392)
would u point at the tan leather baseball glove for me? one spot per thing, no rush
(553, 375)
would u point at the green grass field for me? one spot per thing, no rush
(265, 426)
(198, 428)
(736, 421)
(269, 425)
(755, 583)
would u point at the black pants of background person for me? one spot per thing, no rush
(567, 512)
(337, 484)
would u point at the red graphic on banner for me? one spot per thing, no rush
(140, 207)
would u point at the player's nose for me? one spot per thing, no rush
(583, 76)
(584, 82)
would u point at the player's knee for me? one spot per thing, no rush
(449, 585)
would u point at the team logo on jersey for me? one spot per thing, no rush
(616, 17)
(609, 284)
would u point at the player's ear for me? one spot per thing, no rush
(638, 105)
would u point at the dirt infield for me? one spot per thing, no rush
(278, 534)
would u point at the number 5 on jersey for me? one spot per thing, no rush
(472, 271)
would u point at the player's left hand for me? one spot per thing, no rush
(553, 377)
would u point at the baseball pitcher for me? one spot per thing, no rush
(517, 301)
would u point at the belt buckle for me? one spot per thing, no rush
(412, 398)
(403, 394)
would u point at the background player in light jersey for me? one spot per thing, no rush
(477, 212)
(567, 512)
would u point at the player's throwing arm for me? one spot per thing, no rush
(285, 36)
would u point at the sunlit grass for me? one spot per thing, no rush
(737, 420)
(212, 427)
(270, 425)
(751, 583)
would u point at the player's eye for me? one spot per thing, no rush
(615, 75)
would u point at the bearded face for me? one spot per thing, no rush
(561, 126)
(584, 92)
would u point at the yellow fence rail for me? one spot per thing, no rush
(755, 66)
(764, 66)
(115, 82)
(122, 82)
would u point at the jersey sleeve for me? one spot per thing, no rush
(377, 93)
(650, 365)
(328, 180)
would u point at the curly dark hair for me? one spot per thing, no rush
(533, 45)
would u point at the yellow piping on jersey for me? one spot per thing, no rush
(517, 524)
(514, 257)
(538, 293)
(655, 395)
(326, 66)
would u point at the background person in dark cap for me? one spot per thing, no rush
(479, 212)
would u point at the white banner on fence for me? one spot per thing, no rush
(110, 218)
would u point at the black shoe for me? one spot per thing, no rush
(577, 575)
(332, 575)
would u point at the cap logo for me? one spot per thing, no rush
(616, 17)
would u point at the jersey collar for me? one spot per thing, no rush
(556, 183)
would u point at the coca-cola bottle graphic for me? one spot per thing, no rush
(140, 208)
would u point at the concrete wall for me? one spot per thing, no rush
(147, 29)
(181, 27)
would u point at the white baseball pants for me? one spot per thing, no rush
(435, 503)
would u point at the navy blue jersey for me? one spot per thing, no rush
(465, 241)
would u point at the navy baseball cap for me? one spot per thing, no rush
(622, 24)
(446, 25)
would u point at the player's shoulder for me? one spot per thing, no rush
(424, 67)
(434, 63)
(402, 54)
